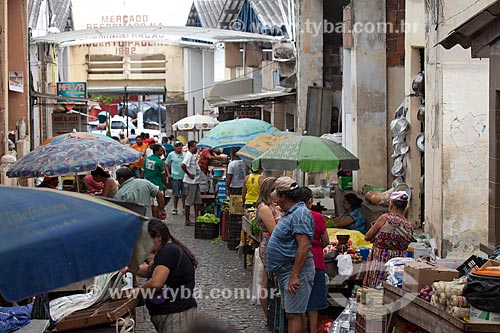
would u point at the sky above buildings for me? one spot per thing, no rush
(89, 14)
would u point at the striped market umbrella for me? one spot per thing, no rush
(309, 153)
(262, 143)
(235, 133)
(71, 155)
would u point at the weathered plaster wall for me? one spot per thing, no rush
(310, 54)
(4, 78)
(465, 155)
(456, 134)
(369, 94)
(18, 61)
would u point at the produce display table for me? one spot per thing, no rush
(245, 226)
(340, 287)
(427, 316)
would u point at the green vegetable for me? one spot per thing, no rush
(208, 218)
(330, 224)
(254, 227)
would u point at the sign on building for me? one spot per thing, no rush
(65, 123)
(71, 89)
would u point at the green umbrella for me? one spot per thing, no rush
(309, 153)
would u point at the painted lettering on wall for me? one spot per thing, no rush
(124, 48)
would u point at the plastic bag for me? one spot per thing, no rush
(483, 295)
(344, 263)
(395, 268)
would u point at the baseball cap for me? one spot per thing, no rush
(285, 184)
(177, 143)
(399, 195)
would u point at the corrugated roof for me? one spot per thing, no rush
(208, 12)
(33, 12)
(466, 32)
(229, 14)
(270, 12)
(61, 12)
(154, 34)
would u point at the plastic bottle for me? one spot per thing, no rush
(22, 129)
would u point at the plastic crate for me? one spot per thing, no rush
(345, 183)
(206, 230)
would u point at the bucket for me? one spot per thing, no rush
(218, 172)
(419, 250)
(364, 252)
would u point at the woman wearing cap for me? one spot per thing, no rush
(391, 234)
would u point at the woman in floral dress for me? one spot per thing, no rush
(391, 234)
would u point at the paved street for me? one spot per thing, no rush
(219, 268)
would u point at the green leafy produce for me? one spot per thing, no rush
(330, 224)
(254, 227)
(225, 204)
(212, 208)
(208, 218)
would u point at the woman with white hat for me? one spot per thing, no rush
(391, 234)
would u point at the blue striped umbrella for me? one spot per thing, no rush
(235, 133)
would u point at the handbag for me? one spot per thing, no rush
(165, 293)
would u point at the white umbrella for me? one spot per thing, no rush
(196, 122)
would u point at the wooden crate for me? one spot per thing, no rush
(370, 319)
(105, 313)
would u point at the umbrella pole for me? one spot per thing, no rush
(77, 183)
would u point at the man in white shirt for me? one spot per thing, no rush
(192, 181)
(236, 173)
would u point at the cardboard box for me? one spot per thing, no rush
(419, 274)
(236, 205)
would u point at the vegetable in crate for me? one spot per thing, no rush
(208, 218)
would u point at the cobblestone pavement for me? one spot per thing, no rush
(219, 268)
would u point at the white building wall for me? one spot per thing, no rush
(456, 147)
(208, 76)
(219, 63)
(193, 88)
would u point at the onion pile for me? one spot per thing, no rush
(426, 293)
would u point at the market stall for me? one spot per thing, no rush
(427, 316)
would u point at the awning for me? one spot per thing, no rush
(466, 33)
(237, 99)
(57, 97)
(127, 90)
(154, 34)
(239, 86)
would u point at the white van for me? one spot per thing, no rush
(119, 125)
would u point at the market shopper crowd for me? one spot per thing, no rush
(293, 236)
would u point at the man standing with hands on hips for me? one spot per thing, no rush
(192, 181)
(289, 253)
